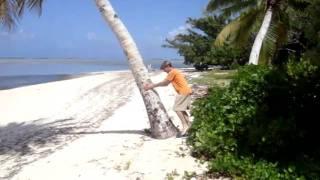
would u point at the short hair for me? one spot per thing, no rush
(165, 64)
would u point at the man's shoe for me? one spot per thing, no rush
(147, 131)
(181, 135)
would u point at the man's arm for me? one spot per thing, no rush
(151, 85)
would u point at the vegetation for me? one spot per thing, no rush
(226, 38)
(304, 37)
(263, 125)
(264, 121)
(196, 46)
(265, 18)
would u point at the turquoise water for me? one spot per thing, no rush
(22, 72)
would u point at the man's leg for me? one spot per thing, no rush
(186, 117)
(185, 122)
(181, 104)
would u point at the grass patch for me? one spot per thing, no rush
(220, 78)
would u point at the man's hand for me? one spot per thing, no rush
(148, 86)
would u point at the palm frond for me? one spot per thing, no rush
(35, 5)
(267, 50)
(299, 4)
(275, 37)
(20, 7)
(238, 31)
(226, 33)
(8, 16)
(12, 10)
(236, 9)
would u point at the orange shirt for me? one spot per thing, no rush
(179, 82)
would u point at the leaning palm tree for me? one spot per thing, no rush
(161, 124)
(246, 18)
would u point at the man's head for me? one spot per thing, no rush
(166, 66)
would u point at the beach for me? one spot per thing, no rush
(91, 127)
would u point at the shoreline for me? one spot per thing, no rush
(8, 82)
(16, 81)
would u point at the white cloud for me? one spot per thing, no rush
(178, 30)
(91, 36)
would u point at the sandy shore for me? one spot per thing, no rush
(87, 128)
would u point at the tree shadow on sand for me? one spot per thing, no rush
(19, 138)
(24, 143)
(139, 132)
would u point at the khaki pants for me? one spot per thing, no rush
(182, 103)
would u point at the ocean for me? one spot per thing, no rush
(22, 72)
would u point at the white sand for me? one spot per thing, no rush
(86, 128)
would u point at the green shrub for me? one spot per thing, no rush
(248, 168)
(265, 113)
(218, 115)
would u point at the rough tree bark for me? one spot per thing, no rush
(256, 48)
(161, 125)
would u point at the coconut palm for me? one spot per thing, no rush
(161, 124)
(246, 18)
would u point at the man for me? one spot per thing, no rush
(183, 98)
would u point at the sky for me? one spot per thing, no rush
(75, 29)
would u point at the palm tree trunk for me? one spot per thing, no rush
(256, 48)
(161, 125)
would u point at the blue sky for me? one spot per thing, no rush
(74, 28)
